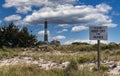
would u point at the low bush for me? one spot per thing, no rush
(83, 59)
(103, 68)
(72, 68)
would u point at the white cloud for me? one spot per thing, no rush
(62, 12)
(20, 23)
(64, 30)
(12, 18)
(87, 41)
(23, 6)
(59, 37)
(69, 14)
(110, 25)
(79, 28)
(64, 25)
(103, 8)
(42, 33)
(24, 9)
(62, 2)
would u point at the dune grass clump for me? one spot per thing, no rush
(6, 52)
(83, 59)
(103, 68)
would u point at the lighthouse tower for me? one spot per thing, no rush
(45, 31)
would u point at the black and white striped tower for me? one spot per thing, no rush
(45, 31)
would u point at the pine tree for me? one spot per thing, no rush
(10, 36)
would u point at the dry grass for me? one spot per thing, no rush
(59, 54)
(34, 70)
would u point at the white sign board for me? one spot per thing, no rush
(98, 33)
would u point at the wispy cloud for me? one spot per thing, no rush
(87, 41)
(64, 30)
(64, 25)
(79, 28)
(59, 37)
(12, 18)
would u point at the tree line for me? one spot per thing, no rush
(12, 36)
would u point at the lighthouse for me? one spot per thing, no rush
(45, 31)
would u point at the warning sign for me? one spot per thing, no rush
(98, 33)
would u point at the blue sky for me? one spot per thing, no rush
(69, 20)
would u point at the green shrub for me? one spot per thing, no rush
(103, 67)
(117, 52)
(80, 43)
(83, 59)
(63, 48)
(72, 68)
(4, 48)
(73, 64)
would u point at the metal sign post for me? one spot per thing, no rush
(98, 52)
(98, 33)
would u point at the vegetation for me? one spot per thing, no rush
(10, 52)
(61, 53)
(33, 70)
(103, 68)
(64, 54)
(72, 68)
(12, 36)
(83, 59)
